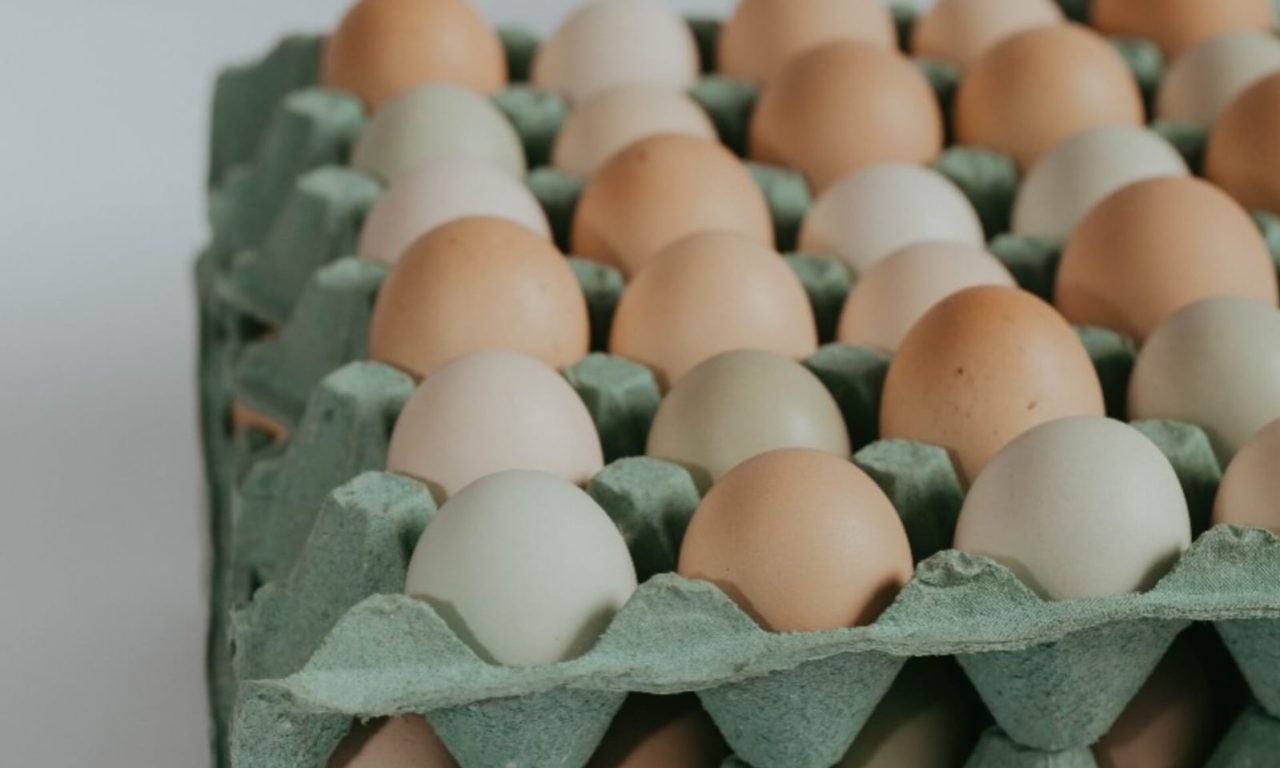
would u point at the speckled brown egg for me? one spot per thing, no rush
(474, 284)
(1243, 156)
(660, 189)
(383, 48)
(959, 31)
(982, 367)
(1176, 25)
(843, 107)
(711, 293)
(763, 35)
(1041, 86)
(1155, 246)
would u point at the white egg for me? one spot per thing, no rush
(1250, 487)
(524, 566)
(878, 210)
(1079, 507)
(1205, 79)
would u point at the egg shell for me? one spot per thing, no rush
(1176, 25)
(661, 189)
(740, 404)
(879, 210)
(982, 367)
(489, 411)
(1077, 508)
(610, 120)
(1041, 86)
(1206, 78)
(1156, 246)
(762, 36)
(422, 199)
(1243, 155)
(437, 122)
(245, 418)
(607, 43)
(896, 291)
(1215, 364)
(1250, 490)
(473, 284)
(1080, 171)
(407, 741)
(808, 112)
(960, 31)
(661, 732)
(711, 293)
(384, 48)
(525, 567)
(801, 540)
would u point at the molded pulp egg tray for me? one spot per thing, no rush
(309, 630)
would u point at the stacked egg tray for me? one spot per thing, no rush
(309, 629)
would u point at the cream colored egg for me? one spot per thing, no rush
(607, 43)
(897, 290)
(1079, 507)
(612, 119)
(434, 122)
(524, 566)
(1078, 173)
(876, 211)
(1250, 489)
(1204, 80)
(439, 192)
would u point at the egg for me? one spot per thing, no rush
(406, 741)
(982, 367)
(661, 732)
(1080, 171)
(807, 114)
(437, 122)
(896, 291)
(1215, 364)
(740, 404)
(660, 189)
(524, 566)
(1251, 484)
(610, 120)
(761, 36)
(879, 210)
(473, 284)
(607, 43)
(1206, 78)
(244, 418)
(1041, 86)
(1156, 246)
(1176, 25)
(960, 31)
(422, 199)
(383, 48)
(801, 540)
(1243, 155)
(1077, 508)
(711, 293)
(489, 411)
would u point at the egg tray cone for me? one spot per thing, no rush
(310, 541)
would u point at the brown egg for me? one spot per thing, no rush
(960, 31)
(1176, 25)
(763, 35)
(710, 293)
(660, 189)
(982, 367)
(473, 284)
(1155, 246)
(1041, 86)
(1243, 156)
(661, 732)
(843, 107)
(383, 48)
(801, 540)
(243, 418)
(1251, 484)
(398, 742)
